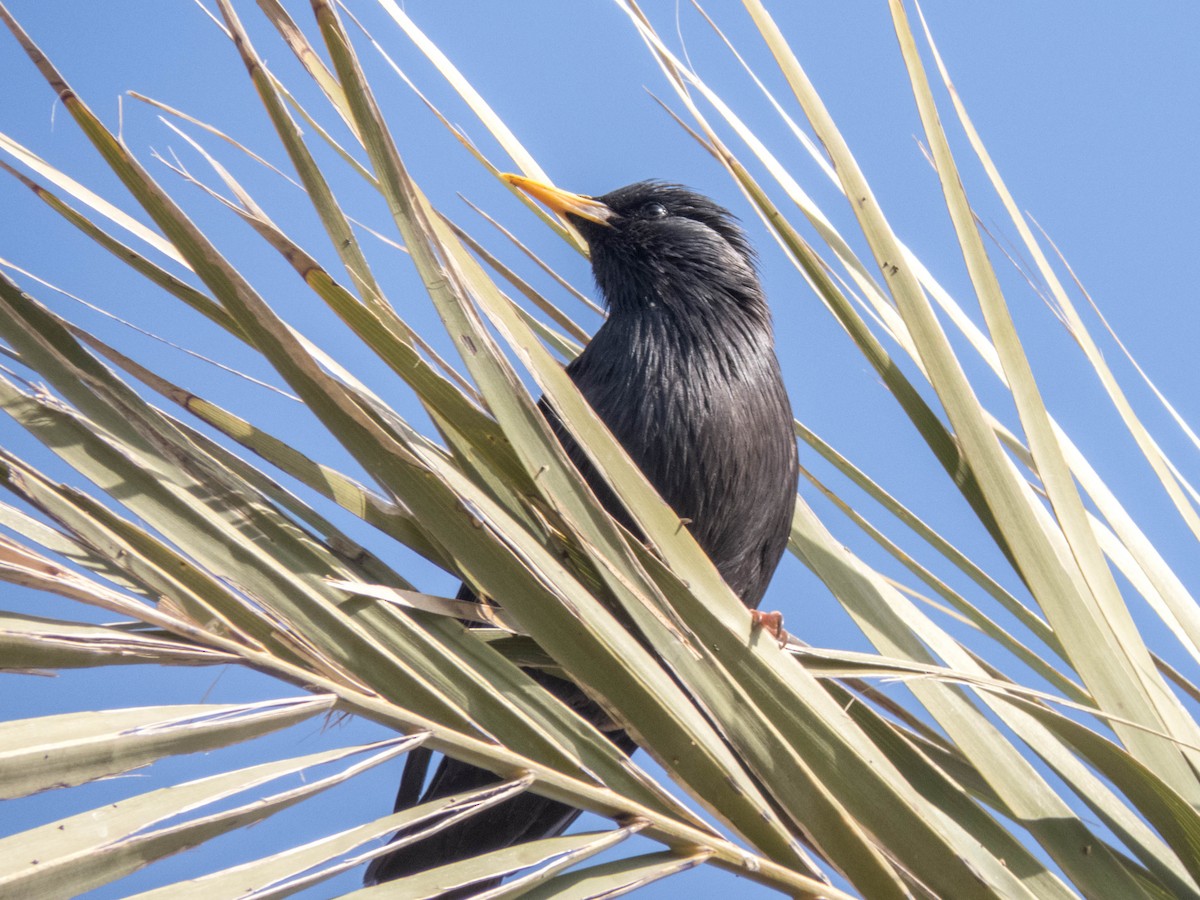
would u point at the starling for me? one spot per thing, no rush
(684, 374)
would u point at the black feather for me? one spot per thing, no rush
(684, 374)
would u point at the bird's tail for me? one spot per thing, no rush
(525, 817)
(522, 818)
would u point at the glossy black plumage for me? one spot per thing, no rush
(684, 374)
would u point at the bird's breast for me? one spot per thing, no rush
(704, 414)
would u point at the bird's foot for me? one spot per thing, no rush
(771, 623)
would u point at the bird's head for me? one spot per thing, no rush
(656, 243)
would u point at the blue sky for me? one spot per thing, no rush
(1090, 113)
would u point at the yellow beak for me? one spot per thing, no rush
(563, 202)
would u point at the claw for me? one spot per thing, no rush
(771, 623)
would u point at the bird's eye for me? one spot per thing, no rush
(654, 211)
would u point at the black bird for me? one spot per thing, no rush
(684, 374)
